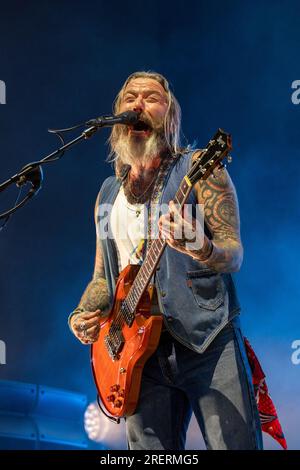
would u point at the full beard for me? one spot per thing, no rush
(133, 149)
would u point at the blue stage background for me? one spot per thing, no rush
(231, 65)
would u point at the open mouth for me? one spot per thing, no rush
(141, 126)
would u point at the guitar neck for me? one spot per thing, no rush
(154, 254)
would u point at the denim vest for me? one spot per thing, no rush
(196, 301)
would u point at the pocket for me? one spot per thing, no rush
(207, 287)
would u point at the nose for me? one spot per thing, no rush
(138, 109)
(138, 105)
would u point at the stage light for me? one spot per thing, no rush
(100, 429)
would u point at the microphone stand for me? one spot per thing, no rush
(32, 172)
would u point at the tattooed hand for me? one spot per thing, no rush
(86, 326)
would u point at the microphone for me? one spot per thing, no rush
(127, 118)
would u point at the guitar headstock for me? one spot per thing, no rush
(211, 157)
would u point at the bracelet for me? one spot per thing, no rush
(76, 310)
(204, 260)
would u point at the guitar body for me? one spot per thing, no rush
(118, 378)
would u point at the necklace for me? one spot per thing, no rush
(137, 208)
(138, 198)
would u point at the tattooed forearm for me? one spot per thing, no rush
(224, 257)
(218, 196)
(220, 256)
(95, 296)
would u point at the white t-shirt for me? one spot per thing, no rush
(129, 229)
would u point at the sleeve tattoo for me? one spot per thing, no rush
(96, 294)
(221, 213)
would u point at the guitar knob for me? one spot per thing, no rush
(110, 398)
(121, 393)
(118, 404)
(115, 388)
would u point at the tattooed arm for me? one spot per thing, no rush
(224, 251)
(221, 213)
(95, 295)
(94, 303)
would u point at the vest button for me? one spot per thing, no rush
(170, 319)
(163, 293)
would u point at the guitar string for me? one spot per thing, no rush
(119, 320)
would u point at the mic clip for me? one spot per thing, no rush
(31, 173)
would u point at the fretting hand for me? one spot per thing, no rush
(181, 231)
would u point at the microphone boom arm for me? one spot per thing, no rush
(32, 172)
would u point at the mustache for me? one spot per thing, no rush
(146, 120)
(156, 126)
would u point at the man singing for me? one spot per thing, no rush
(200, 364)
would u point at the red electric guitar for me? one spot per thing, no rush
(130, 334)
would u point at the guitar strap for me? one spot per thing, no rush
(152, 205)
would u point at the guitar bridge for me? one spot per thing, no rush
(114, 343)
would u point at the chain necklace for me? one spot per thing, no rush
(138, 198)
(137, 208)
